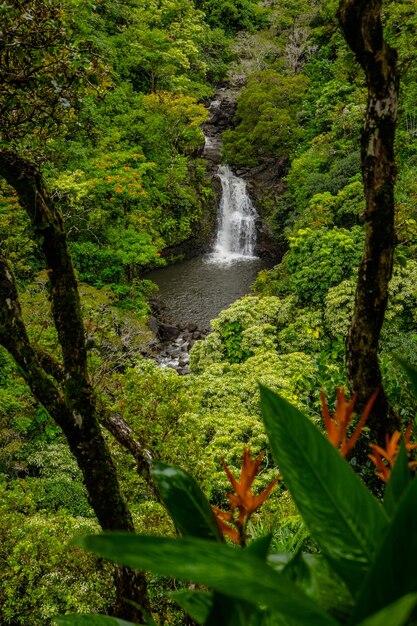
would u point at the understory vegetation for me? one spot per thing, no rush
(124, 165)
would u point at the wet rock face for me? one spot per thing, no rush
(222, 111)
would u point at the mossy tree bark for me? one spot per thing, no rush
(64, 390)
(361, 24)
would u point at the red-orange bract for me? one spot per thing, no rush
(337, 426)
(390, 453)
(243, 502)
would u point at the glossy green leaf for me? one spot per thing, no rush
(238, 574)
(206, 608)
(399, 481)
(231, 612)
(395, 614)
(343, 517)
(196, 603)
(394, 573)
(186, 503)
(90, 620)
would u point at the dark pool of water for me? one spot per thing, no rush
(196, 290)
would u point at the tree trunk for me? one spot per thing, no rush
(360, 21)
(69, 398)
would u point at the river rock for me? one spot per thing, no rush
(153, 324)
(167, 332)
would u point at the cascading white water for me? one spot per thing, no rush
(236, 229)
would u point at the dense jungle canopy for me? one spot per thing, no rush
(116, 117)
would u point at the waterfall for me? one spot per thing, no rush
(236, 229)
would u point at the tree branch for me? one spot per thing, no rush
(125, 436)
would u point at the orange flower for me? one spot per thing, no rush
(224, 520)
(243, 503)
(337, 426)
(390, 453)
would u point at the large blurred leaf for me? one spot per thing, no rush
(395, 614)
(90, 620)
(394, 573)
(313, 574)
(344, 518)
(186, 503)
(205, 608)
(196, 603)
(236, 573)
(230, 612)
(399, 481)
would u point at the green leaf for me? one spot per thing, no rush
(394, 573)
(90, 620)
(206, 608)
(313, 574)
(399, 481)
(196, 603)
(186, 503)
(231, 612)
(235, 573)
(343, 517)
(395, 614)
(260, 546)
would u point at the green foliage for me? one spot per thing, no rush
(320, 169)
(233, 16)
(17, 411)
(185, 502)
(91, 620)
(40, 576)
(130, 186)
(15, 242)
(231, 338)
(320, 259)
(334, 521)
(368, 574)
(44, 72)
(55, 480)
(247, 578)
(266, 118)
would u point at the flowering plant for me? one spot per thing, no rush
(368, 548)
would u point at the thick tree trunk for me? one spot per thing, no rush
(361, 24)
(69, 398)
